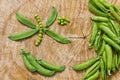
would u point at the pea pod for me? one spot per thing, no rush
(55, 36)
(103, 70)
(111, 28)
(101, 50)
(23, 35)
(94, 76)
(114, 64)
(86, 64)
(25, 21)
(114, 13)
(108, 50)
(116, 27)
(93, 33)
(111, 42)
(50, 66)
(100, 19)
(109, 33)
(40, 69)
(95, 10)
(92, 70)
(99, 5)
(106, 4)
(26, 61)
(118, 60)
(52, 17)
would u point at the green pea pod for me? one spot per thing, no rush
(94, 76)
(56, 36)
(100, 19)
(25, 21)
(97, 43)
(108, 50)
(116, 27)
(114, 64)
(94, 10)
(111, 27)
(40, 69)
(86, 64)
(92, 70)
(52, 17)
(23, 35)
(103, 70)
(50, 66)
(111, 42)
(26, 62)
(93, 33)
(114, 13)
(109, 33)
(116, 9)
(106, 4)
(118, 62)
(101, 50)
(99, 5)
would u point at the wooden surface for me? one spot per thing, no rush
(11, 64)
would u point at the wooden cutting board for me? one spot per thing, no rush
(11, 64)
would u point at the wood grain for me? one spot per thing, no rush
(11, 64)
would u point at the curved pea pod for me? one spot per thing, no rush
(23, 35)
(108, 50)
(109, 33)
(56, 36)
(25, 21)
(26, 61)
(92, 70)
(86, 64)
(99, 5)
(111, 27)
(94, 76)
(117, 10)
(101, 50)
(114, 13)
(103, 69)
(52, 17)
(40, 69)
(51, 66)
(100, 19)
(95, 11)
(111, 42)
(93, 33)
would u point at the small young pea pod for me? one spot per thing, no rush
(101, 50)
(94, 10)
(25, 21)
(51, 66)
(106, 4)
(103, 69)
(40, 69)
(92, 70)
(86, 64)
(23, 35)
(94, 76)
(118, 59)
(108, 50)
(114, 13)
(93, 33)
(99, 5)
(56, 36)
(52, 17)
(111, 42)
(109, 33)
(26, 61)
(114, 64)
(98, 42)
(116, 27)
(100, 19)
